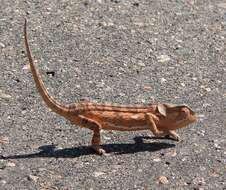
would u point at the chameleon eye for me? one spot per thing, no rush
(185, 110)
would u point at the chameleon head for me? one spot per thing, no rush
(175, 116)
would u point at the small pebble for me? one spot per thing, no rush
(4, 140)
(163, 58)
(32, 178)
(97, 174)
(147, 88)
(2, 45)
(216, 144)
(222, 5)
(141, 64)
(202, 133)
(201, 117)
(10, 164)
(199, 181)
(182, 84)
(48, 8)
(117, 166)
(157, 159)
(139, 23)
(2, 181)
(214, 174)
(163, 180)
(26, 67)
(172, 153)
(107, 138)
(163, 80)
(208, 89)
(4, 96)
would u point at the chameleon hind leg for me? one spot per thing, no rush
(96, 139)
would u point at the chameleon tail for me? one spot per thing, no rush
(51, 102)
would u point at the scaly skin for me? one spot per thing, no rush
(161, 119)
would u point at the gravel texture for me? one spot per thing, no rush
(117, 51)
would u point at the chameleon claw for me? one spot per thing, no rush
(173, 137)
(98, 150)
(176, 138)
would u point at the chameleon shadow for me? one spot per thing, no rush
(49, 151)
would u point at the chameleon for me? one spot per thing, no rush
(162, 119)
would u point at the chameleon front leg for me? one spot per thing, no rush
(96, 139)
(153, 127)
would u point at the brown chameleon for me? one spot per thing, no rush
(160, 119)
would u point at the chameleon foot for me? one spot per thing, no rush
(173, 135)
(176, 138)
(98, 149)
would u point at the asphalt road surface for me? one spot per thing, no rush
(116, 51)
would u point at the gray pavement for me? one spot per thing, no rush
(117, 51)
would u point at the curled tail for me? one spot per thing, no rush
(51, 103)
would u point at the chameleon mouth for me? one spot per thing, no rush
(186, 121)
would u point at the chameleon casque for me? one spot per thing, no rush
(161, 119)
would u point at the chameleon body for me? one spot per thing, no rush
(161, 119)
